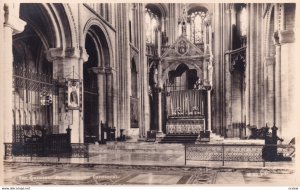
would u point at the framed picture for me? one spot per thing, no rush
(73, 94)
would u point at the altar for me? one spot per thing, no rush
(185, 125)
(186, 112)
(182, 83)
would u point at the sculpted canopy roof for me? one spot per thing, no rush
(182, 48)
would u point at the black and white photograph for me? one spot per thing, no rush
(149, 94)
(73, 88)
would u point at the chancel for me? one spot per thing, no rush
(78, 77)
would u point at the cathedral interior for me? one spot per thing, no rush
(132, 71)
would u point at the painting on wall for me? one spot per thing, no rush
(73, 94)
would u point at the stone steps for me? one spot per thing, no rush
(183, 139)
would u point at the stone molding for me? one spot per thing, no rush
(286, 36)
(283, 37)
(60, 53)
(101, 70)
(13, 21)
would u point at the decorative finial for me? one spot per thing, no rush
(183, 19)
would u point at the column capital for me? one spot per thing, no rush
(286, 36)
(101, 70)
(98, 70)
(83, 54)
(108, 70)
(60, 53)
(11, 18)
(54, 54)
(270, 61)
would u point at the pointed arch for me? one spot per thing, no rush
(174, 66)
(158, 8)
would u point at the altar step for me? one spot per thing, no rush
(180, 138)
(215, 137)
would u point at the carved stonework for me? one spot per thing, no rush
(60, 53)
(11, 18)
(286, 36)
(98, 70)
(182, 48)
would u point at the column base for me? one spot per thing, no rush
(142, 139)
(8, 158)
(159, 136)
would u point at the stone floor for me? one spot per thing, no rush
(143, 163)
(91, 174)
(151, 159)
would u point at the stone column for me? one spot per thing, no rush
(160, 86)
(101, 96)
(247, 79)
(217, 98)
(286, 128)
(115, 91)
(55, 55)
(259, 83)
(159, 114)
(228, 98)
(144, 73)
(1, 80)
(209, 110)
(123, 60)
(64, 62)
(210, 73)
(251, 61)
(109, 98)
(12, 25)
(278, 85)
(270, 67)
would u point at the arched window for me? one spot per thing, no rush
(14, 116)
(197, 27)
(133, 79)
(29, 118)
(24, 117)
(242, 24)
(151, 24)
(194, 24)
(34, 122)
(130, 18)
(243, 16)
(20, 117)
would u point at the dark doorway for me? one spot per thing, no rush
(91, 96)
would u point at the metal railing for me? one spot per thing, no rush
(41, 141)
(23, 133)
(74, 150)
(235, 152)
(24, 78)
